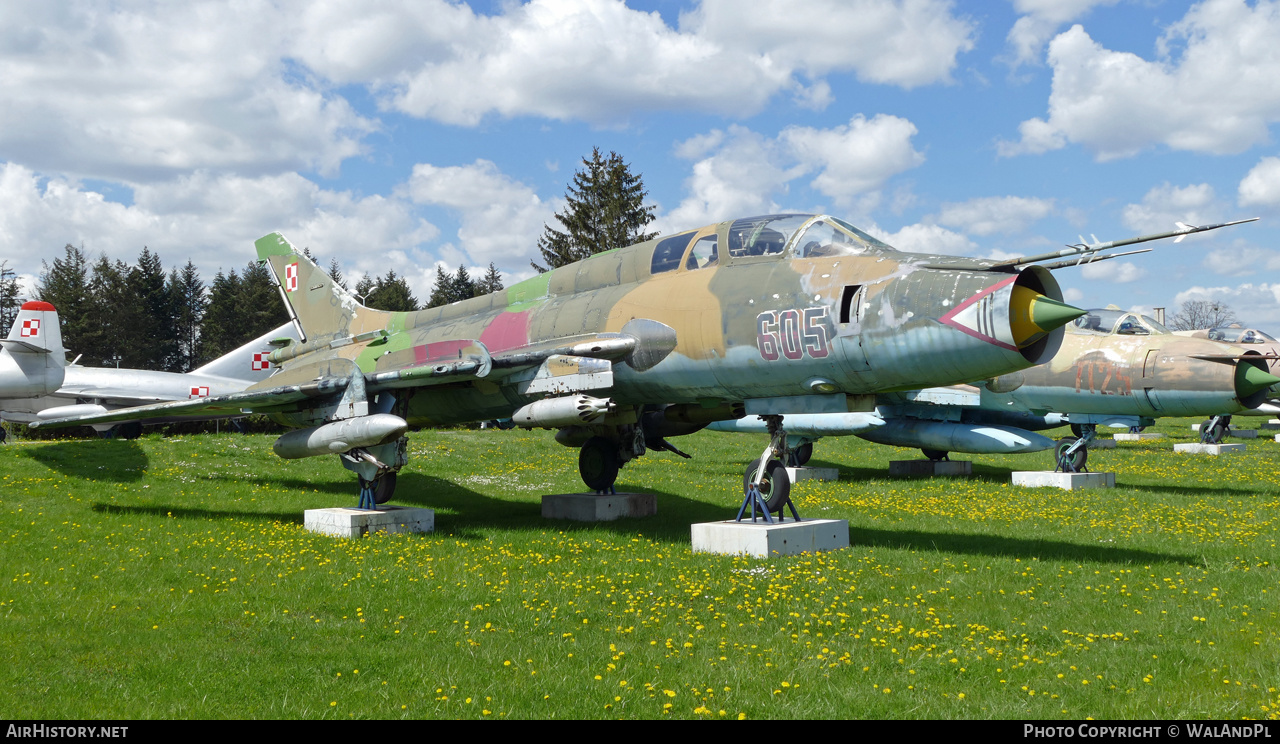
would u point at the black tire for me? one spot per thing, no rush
(800, 455)
(776, 486)
(1073, 463)
(130, 430)
(935, 455)
(1077, 430)
(1218, 433)
(598, 463)
(384, 488)
(3, 435)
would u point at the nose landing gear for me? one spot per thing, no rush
(766, 485)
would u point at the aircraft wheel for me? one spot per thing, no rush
(598, 463)
(1077, 430)
(130, 430)
(1073, 463)
(774, 488)
(1217, 433)
(383, 488)
(935, 455)
(3, 435)
(800, 455)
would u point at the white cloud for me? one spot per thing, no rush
(1256, 305)
(501, 217)
(1040, 20)
(1071, 294)
(1261, 186)
(743, 172)
(600, 61)
(995, 214)
(897, 42)
(212, 220)
(1120, 273)
(1213, 88)
(926, 238)
(1165, 205)
(1241, 259)
(144, 91)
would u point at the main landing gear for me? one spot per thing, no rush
(1214, 431)
(1072, 453)
(376, 468)
(765, 485)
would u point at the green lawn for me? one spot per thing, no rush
(172, 578)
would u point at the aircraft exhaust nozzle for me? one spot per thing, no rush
(341, 436)
(569, 410)
(1252, 381)
(1033, 315)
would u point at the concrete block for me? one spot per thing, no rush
(1271, 424)
(1278, 438)
(763, 540)
(1065, 481)
(594, 507)
(1209, 449)
(930, 468)
(1141, 436)
(346, 522)
(1098, 444)
(823, 474)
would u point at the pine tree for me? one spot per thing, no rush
(150, 342)
(9, 300)
(364, 288)
(464, 288)
(260, 305)
(218, 328)
(442, 290)
(491, 282)
(391, 293)
(111, 340)
(65, 285)
(335, 273)
(605, 210)
(187, 297)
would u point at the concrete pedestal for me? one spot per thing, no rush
(823, 474)
(763, 540)
(593, 507)
(930, 468)
(1065, 481)
(1209, 449)
(1141, 436)
(1272, 424)
(1098, 444)
(345, 522)
(1233, 432)
(1278, 438)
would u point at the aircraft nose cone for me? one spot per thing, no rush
(1251, 379)
(1032, 315)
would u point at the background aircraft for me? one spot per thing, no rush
(46, 387)
(1114, 368)
(1253, 339)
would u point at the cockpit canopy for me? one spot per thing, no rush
(1119, 322)
(1236, 335)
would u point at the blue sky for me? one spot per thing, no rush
(401, 134)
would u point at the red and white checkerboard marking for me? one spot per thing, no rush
(200, 392)
(260, 361)
(31, 328)
(291, 277)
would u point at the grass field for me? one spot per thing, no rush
(172, 578)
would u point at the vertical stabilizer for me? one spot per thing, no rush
(249, 362)
(33, 360)
(320, 308)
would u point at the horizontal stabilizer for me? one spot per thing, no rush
(22, 347)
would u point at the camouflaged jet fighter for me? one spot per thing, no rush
(1215, 429)
(772, 316)
(49, 388)
(1114, 368)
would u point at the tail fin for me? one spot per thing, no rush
(35, 358)
(249, 362)
(318, 306)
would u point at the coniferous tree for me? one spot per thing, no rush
(150, 341)
(260, 305)
(9, 300)
(187, 297)
(605, 210)
(65, 285)
(335, 273)
(218, 329)
(110, 340)
(442, 289)
(491, 282)
(391, 292)
(464, 287)
(364, 288)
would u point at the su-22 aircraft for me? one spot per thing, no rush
(771, 316)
